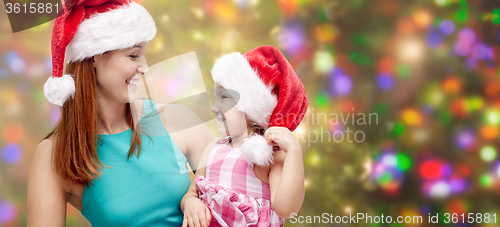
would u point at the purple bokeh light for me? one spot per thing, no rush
(292, 38)
(7, 212)
(11, 153)
(457, 185)
(341, 84)
(462, 48)
(385, 81)
(447, 27)
(446, 170)
(464, 139)
(434, 40)
(480, 51)
(467, 36)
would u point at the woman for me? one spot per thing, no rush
(97, 158)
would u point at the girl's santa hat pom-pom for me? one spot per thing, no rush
(256, 150)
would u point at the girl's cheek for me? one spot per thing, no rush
(225, 107)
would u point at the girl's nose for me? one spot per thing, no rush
(215, 107)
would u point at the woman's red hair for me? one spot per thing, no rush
(75, 134)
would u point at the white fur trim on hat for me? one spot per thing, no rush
(112, 30)
(232, 71)
(58, 89)
(256, 150)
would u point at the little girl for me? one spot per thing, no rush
(254, 176)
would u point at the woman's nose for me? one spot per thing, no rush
(143, 69)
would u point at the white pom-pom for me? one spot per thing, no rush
(58, 89)
(256, 150)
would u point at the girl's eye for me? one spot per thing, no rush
(134, 56)
(224, 97)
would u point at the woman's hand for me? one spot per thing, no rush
(196, 213)
(282, 137)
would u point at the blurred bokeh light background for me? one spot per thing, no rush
(427, 69)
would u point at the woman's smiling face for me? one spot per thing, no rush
(118, 73)
(230, 121)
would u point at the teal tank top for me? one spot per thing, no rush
(139, 191)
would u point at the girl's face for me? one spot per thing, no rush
(230, 122)
(118, 73)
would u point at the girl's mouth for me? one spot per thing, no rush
(220, 118)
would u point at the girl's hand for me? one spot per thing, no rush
(282, 137)
(196, 213)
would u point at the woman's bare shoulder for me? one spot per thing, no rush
(42, 164)
(42, 159)
(44, 149)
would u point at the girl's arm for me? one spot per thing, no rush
(286, 176)
(195, 211)
(47, 197)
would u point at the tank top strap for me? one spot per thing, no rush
(152, 125)
(150, 122)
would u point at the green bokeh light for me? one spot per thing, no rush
(385, 178)
(445, 117)
(404, 162)
(322, 100)
(354, 55)
(486, 180)
(495, 16)
(403, 70)
(399, 128)
(461, 15)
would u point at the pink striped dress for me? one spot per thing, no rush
(232, 191)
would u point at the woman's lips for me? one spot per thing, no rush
(133, 84)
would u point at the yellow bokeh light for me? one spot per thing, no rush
(412, 117)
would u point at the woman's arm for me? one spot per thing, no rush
(286, 176)
(47, 197)
(193, 208)
(193, 137)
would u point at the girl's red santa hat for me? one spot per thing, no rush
(270, 94)
(85, 28)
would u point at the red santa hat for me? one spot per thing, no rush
(85, 28)
(270, 94)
